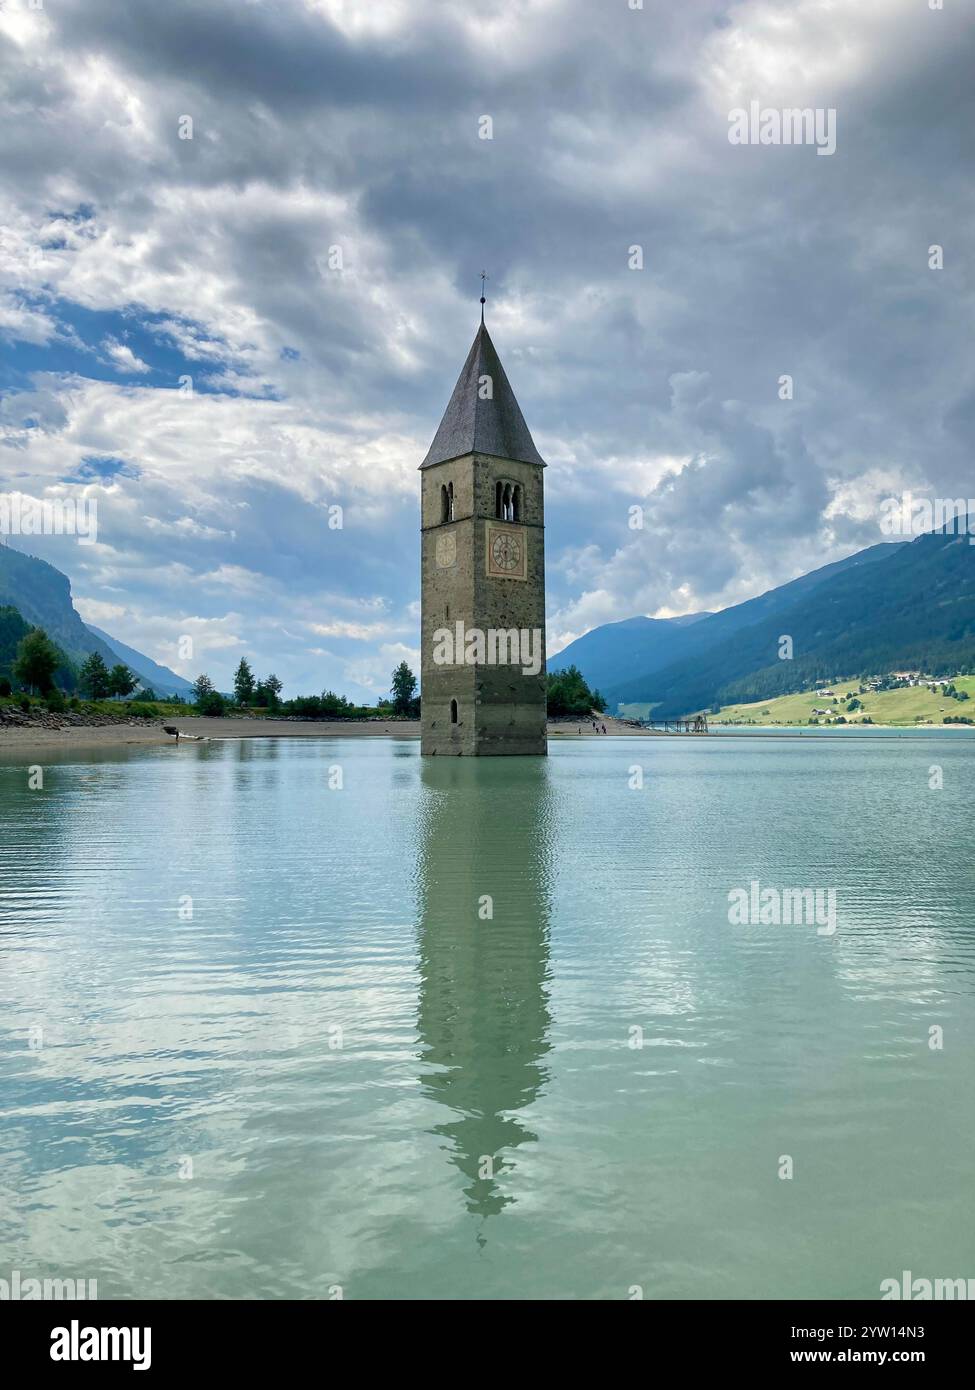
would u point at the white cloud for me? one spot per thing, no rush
(124, 359)
(357, 632)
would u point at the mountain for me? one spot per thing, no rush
(159, 678)
(909, 604)
(643, 644)
(914, 610)
(720, 628)
(628, 655)
(42, 596)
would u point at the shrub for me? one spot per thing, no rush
(212, 703)
(55, 702)
(5, 688)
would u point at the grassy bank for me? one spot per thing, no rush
(114, 709)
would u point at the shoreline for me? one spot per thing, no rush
(200, 727)
(197, 728)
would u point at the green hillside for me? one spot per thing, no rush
(612, 651)
(913, 610)
(13, 630)
(688, 651)
(910, 705)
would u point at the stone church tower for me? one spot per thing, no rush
(483, 572)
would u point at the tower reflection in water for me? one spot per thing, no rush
(483, 1007)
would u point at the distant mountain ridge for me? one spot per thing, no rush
(160, 678)
(601, 653)
(907, 604)
(42, 596)
(910, 606)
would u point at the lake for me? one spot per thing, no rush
(288, 1018)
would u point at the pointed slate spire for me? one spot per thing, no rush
(472, 425)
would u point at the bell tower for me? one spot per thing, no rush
(482, 541)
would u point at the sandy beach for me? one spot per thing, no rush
(114, 735)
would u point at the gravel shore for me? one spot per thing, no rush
(94, 731)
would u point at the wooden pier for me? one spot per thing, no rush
(696, 724)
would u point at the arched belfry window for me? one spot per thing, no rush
(444, 505)
(453, 711)
(450, 501)
(507, 501)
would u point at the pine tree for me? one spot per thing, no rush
(244, 683)
(94, 677)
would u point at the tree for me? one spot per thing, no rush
(403, 690)
(212, 703)
(335, 704)
(202, 687)
(207, 699)
(273, 688)
(267, 693)
(568, 693)
(244, 683)
(94, 677)
(121, 681)
(36, 661)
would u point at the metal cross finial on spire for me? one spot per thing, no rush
(483, 300)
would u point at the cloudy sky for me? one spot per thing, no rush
(221, 337)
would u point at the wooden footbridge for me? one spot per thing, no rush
(695, 724)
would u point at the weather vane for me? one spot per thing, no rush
(483, 300)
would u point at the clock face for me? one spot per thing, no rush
(507, 552)
(446, 550)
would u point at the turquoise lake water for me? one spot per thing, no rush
(264, 1036)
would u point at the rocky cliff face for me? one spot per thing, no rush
(42, 596)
